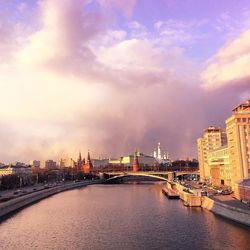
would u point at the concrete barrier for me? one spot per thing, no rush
(20, 202)
(233, 213)
(190, 199)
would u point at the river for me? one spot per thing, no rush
(126, 216)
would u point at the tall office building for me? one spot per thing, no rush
(213, 138)
(238, 134)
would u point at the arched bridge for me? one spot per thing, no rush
(136, 174)
(159, 175)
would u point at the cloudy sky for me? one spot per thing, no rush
(114, 75)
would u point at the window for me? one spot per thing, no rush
(238, 120)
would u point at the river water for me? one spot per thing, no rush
(119, 217)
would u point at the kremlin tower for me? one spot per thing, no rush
(135, 162)
(88, 165)
(80, 163)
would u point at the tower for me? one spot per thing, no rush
(88, 165)
(135, 162)
(80, 163)
(159, 151)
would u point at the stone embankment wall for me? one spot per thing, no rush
(232, 213)
(190, 199)
(20, 202)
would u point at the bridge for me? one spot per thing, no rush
(159, 175)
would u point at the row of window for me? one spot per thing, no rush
(243, 119)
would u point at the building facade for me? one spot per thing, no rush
(218, 161)
(22, 170)
(230, 164)
(238, 133)
(213, 138)
(35, 164)
(50, 164)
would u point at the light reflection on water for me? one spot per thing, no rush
(118, 217)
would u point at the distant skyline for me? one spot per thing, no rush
(111, 76)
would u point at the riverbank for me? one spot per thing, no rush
(25, 200)
(224, 206)
(235, 213)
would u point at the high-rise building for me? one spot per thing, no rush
(238, 134)
(213, 138)
(50, 164)
(35, 163)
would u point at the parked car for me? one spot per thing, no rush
(203, 193)
(226, 192)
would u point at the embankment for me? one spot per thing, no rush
(20, 202)
(233, 213)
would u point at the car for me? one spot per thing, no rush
(203, 193)
(226, 192)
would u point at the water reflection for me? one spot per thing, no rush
(119, 216)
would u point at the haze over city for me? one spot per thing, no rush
(110, 76)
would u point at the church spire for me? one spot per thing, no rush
(88, 156)
(80, 156)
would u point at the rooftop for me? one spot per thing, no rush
(242, 107)
(212, 129)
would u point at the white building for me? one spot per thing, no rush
(23, 170)
(98, 163)
(161, 157)
(127, 161)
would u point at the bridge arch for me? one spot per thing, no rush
(136, 174)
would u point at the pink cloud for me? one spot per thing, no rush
(230, 66)
(75, 84)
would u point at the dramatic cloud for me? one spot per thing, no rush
(230, 66)
(75, 80)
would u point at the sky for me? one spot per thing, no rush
(110, 76)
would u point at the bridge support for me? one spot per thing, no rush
(171, 176)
